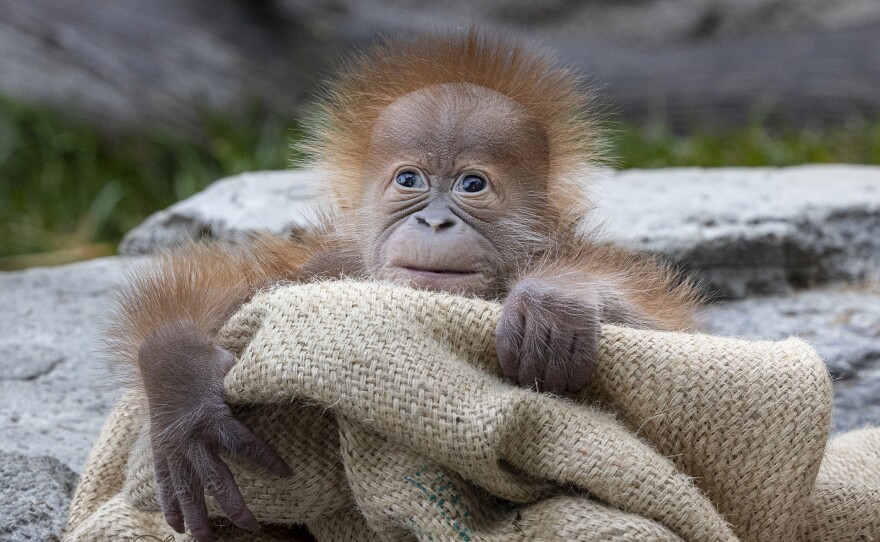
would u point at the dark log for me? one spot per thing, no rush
(162, 63)
(800, 80)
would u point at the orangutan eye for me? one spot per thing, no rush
(409, 179)
(471, 184)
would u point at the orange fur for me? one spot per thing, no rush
(369, 82)
(201, 284)
(642, 292)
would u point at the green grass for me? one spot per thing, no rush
(654, 146)
(68, 193)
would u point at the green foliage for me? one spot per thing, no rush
(655, 146)
(64, 187)
(67, 192)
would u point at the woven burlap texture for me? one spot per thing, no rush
(388, 404)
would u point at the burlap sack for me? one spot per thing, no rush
(388, 405)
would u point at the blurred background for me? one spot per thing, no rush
(110, 111)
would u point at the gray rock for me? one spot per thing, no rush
(277, 201)
(22, 359)
(35, 493)
(857, 402)
(744, 231)
(752, 230)
(54, 388)
(843, 323)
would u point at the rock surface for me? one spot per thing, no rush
(744, 231)
(230, 208)
(34, 495)
(54, 390)
(752, 230)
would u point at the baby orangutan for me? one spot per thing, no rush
(457, 163)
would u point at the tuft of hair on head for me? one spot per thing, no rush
(342, 120)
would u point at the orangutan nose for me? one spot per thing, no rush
(436, 219)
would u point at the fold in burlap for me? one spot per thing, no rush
(388, 405)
